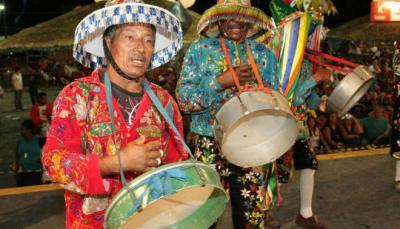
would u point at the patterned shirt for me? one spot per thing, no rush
(81, 134)
(198, 91)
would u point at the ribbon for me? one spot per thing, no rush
(293, 45)
(159, 185)
(280, 10)
(272, 190)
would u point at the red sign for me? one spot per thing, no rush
(385, 10)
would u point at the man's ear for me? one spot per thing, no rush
(108, 41)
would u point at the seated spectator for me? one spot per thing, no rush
(376, 127)
(375, 67)
(321, 120)
(41, 114)
(315, 134)
(358, 111)
(28, 165)
(351, 131)
(331, 133)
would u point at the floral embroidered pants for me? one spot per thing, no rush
(245, 185)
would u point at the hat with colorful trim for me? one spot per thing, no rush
(88, 42)
(240, 10)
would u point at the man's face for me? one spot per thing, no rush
(234, 30)
(132, 48)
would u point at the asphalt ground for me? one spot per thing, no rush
(351, 193)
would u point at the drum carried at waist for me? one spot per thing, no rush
(254, 128)
(179, 195)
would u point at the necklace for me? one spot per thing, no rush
(131, 113)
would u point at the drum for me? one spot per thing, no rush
(350, 90)
(178, 195)
(255, 128)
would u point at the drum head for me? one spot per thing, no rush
(350, 90)
(255, 128)
(259, 138)
(195, 202)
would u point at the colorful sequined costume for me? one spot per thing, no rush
(81, 134)
(200, 94)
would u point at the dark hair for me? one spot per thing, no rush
(41, 94)
(28, 124)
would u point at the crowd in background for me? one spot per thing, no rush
(365, 126)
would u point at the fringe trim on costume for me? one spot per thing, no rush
(252, 15)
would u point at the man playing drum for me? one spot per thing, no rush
(206, 82)
(89, 141)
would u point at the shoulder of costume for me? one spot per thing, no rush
(92, 79)
(260, 47)
(158, 90)
(82, 83)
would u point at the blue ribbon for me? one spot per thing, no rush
(159, 185)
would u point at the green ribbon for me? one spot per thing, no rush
(280, 10)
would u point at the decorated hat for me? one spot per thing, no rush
(88, 43)
(240, 10)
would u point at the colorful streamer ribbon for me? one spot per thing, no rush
(291, 46)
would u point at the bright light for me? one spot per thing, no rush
(2, 7)
(391, 5)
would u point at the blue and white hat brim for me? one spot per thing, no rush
(88, 42)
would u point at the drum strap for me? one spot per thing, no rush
(312, 55)
(252, 64)
(110, 106)
(164, 113)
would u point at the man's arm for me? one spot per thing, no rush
(63, 157)
(197, 87)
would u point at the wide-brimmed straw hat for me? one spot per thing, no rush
(240, 10)
(88, 43)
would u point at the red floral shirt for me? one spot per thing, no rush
(81, 134)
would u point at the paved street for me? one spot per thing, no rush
(352, 193)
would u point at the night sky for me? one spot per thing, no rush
(25, 13)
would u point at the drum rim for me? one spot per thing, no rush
(188, 163)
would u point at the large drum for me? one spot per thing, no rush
(255, 128)
(350, 90)
(179, 195)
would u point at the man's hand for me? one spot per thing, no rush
(137, 156)
(243, 72)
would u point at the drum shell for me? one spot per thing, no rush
(199, 175)
(255, 128)
(350, 90)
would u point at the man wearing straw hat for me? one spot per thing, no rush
(105, 123)
(206, 82)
